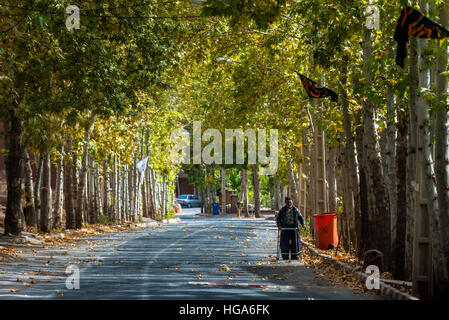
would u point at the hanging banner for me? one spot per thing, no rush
(413, 23)
(316, 92)
(141, 166)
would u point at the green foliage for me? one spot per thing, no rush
(261, 12)
(171, 213)
(102, 219)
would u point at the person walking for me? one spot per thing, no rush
(288, 218)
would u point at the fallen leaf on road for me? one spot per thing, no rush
(224, 268)
(9, 251)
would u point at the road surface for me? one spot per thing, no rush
(198, 258)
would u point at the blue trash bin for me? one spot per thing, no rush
(215, 208)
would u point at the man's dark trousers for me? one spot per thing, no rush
(288, 243)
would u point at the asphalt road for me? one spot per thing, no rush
(198, 258)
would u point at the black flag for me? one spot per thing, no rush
(413, 23)
(314, 92)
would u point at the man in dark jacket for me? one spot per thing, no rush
(288, 217)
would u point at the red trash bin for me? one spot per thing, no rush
(326, 226)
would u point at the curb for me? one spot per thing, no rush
(384, 290)
(61, 235)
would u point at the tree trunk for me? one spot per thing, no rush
(14, 166)
(277, 195)
(411, 156)
(82, 180)
(153, 194)
(45, 222)
(75, 170)
(389, 165)
(135, 191)
(272, 191)
(350, 164)
(223, 190)
(373, 166)
(442, 149)
(399, 262)
(90, 199)
(426, 160)
(57, 214)
(68, 188)
(365, 241)
(120, 191)
(127, 192)
(256, 186)
(244, 193)
(163, 198)
(144, 198)
(37, 189)
(331, 178)
(96, 193)
(106, 190)
(343, 220)
(30, 215)
(292, 184)
(112, 189)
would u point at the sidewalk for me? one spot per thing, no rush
(16, 248)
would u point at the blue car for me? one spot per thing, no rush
(188, 200)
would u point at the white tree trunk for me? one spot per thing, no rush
(379, 200)
(293, 189)
(57, 214)
(442, 149)
(46, 203)
(331, 178)
(411, 156)
(29, 192)
(426, 161)
(37, 188)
